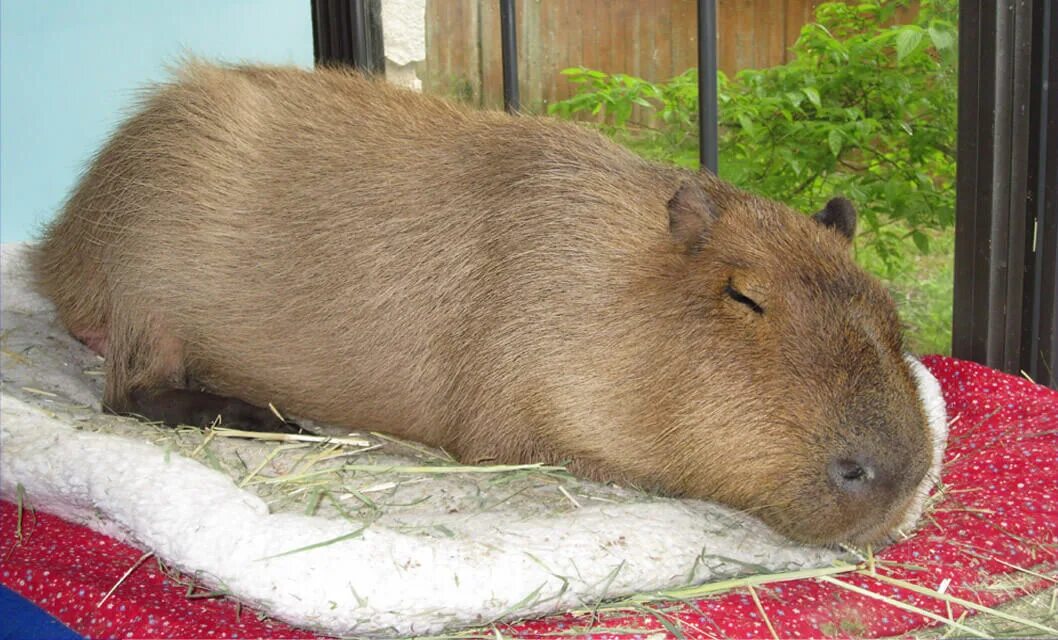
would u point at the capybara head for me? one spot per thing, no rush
(510, 288)
(799, 405)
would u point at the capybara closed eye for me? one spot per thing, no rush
(512, 288)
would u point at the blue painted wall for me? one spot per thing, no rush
(69, 70)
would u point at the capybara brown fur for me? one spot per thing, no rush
(511, 288)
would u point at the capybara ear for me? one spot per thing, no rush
(691, 211)
(839, 215)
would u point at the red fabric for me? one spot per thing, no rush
(1000, 507)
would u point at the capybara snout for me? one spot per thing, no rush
(511, 288)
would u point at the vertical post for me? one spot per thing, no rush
(361, 44)
(510, 56)
(1040, 349)
(708, 103)
(349, 32)
(1005, 233)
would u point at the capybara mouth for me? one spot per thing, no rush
(863, 513)
(873, 531)
(884, 531)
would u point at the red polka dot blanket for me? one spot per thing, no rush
(991, 536)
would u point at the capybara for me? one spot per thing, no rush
(512, 288)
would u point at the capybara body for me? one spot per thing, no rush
(514, 289)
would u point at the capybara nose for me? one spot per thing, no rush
(855, 475)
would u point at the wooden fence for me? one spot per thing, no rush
(652, 39)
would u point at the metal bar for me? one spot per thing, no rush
(361, 36)
(319, 31)
(341, 35)
(976, 180)
(1040, 352)
(708, 98)
(377, 49)
(1011, 268)
(509, 48)
(998, 208)
(364, 48)
(971, 60)
(348, 32)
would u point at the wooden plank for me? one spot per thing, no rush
(430, 65)
(648, 18)
(491, 58)
(798, 14)
(684, 43)
(550, 58)
(620, 25)
(741, 41)
(457, 46)
(604, 36)
(635, 53)
(587, 29)
(426, 72)
(776, 32)
(530, 72)
(471, 29)
(570, 33)
(654, 40)
(727, 20)
(663, 42)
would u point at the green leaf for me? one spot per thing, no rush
(942, 38)
(907, 41)
(834, 140)
(895, 193)
(813, 96)
(870, 217)
(746, 123)
(921, 241)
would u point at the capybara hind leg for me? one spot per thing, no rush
(141, 356)
(203, 409)
(94, 339)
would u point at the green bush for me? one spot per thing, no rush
(865, 108)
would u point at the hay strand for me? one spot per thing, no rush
(966, 604)
(569, 496)
(902, 605)
(721, 586)
(760, 608)
(317, 545)
(123, 577)
(223, 432)
(21, 506)
(40, 392)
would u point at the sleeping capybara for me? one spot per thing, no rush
(513, 289)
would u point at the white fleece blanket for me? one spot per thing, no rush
(398, 552)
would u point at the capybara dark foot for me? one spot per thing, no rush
(201, 409)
